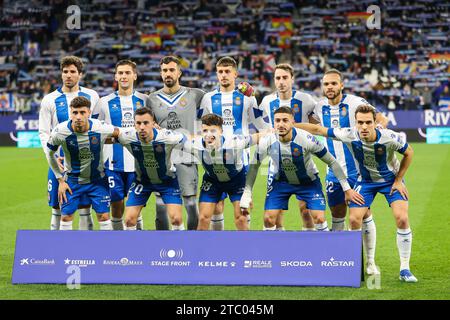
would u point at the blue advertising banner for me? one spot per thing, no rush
(188, 257)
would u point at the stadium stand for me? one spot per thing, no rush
(403, 66)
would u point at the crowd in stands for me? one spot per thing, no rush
(403, 65)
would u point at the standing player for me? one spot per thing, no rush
(82, 141)
(176, 108)
(55, 109)
(302, 104)
(223, 160)
(152, 149)
(379, 172)
(237, 111)
(293, 171)
(118, 109)
(337, 110)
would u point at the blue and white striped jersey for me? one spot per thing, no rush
(152, 160)
(339, 116)
(119, 111)
(292, 161)
(237, 110)
(224, 163)
(376, 161)
(55, 109)
(83, 151)
(301, 103)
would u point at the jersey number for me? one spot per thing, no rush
(112, 184)
(330, 186)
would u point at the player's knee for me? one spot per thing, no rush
(269, 221)
(305, 214)
(176, 221)
(339, 211)
(103, 217)
(66, 218)
(219, 208)
(403, 222)
(131, 221)
(355, 222)
(240, 220)
(203, 219)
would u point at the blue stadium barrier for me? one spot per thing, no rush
(189, 257)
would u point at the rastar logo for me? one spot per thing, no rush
(337, 263)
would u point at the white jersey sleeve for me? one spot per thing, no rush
(45, 122)
(170, 137)
(315, 146)
(345, 135)
(127, 135)
(98, 111)
(397, 142)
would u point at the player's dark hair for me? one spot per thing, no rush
(126, 62)
(72, 60)
(366, 108)
(80, 102)
(335, 71)
(212, 119)
(226, 62)
(144, 110)
(286, 110)
(169, 59)
(286, 67)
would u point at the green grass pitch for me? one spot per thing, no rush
(23, 206)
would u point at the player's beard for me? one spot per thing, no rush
(334, 94)
(169, 82)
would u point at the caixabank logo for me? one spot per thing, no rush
(37, 262)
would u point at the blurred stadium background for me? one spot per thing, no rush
(402, 68)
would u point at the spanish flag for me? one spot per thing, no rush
(283, 24)
(165, 30)
(357, 16)
(154, 38)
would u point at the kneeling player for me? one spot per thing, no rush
(155, 172)
(223, 160)
(293, 171)
(379, 172)
(81, 140)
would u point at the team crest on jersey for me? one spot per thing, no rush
(295, 108)
(296, 152)
(138, 104)
(183, 102)
(344, 111)
(159, 148)
(238, 101)
(94, 140)
(380, 151)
